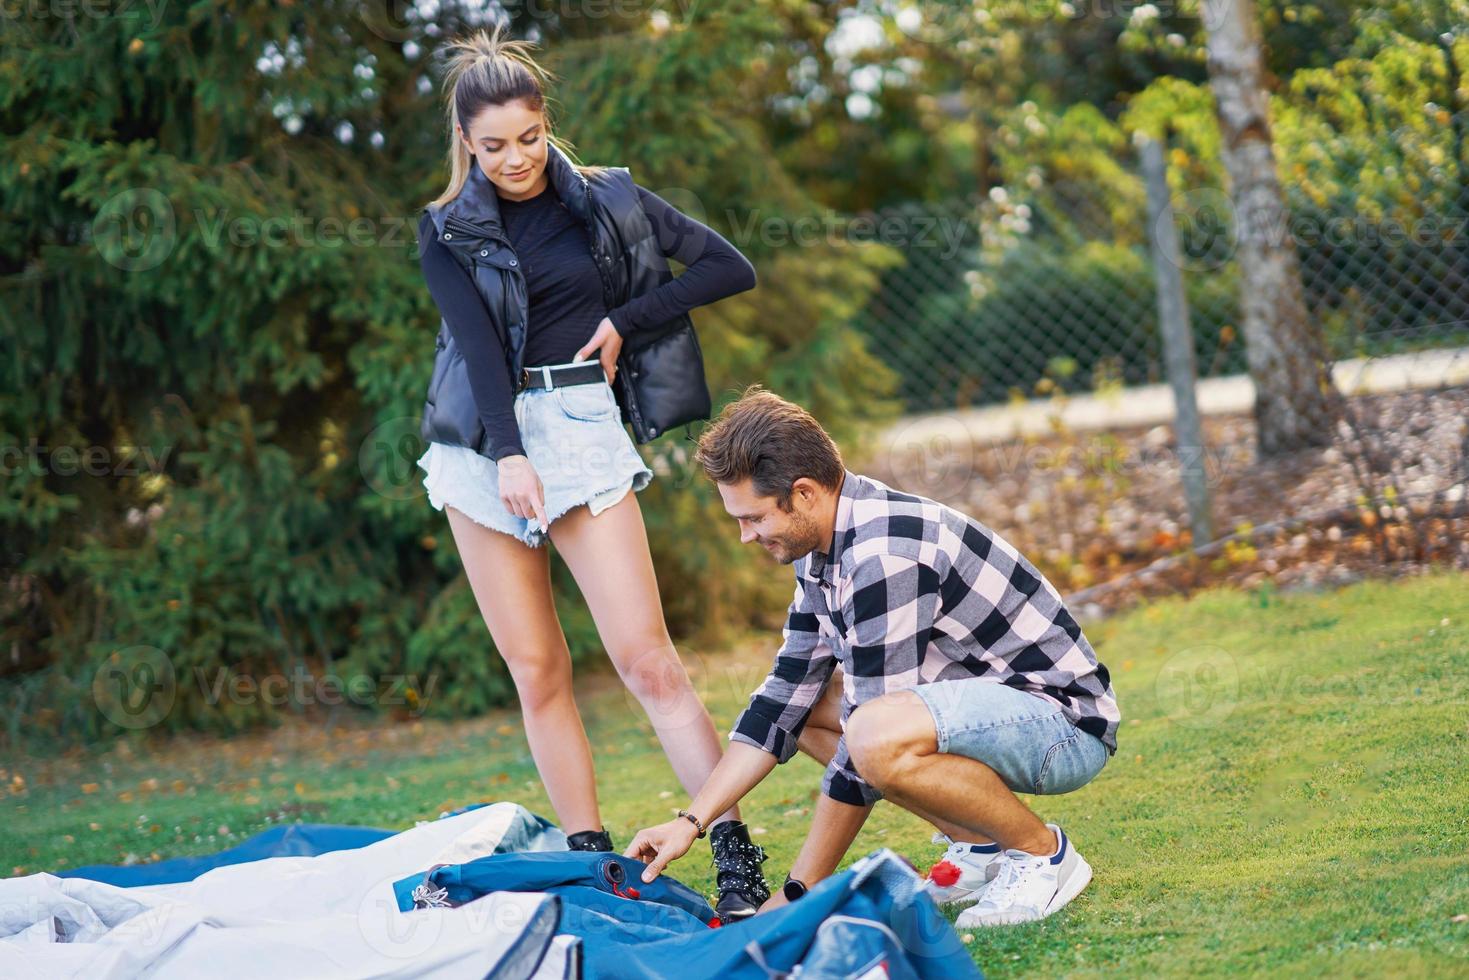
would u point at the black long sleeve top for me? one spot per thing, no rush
(565, 293)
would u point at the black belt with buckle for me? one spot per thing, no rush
(551, 376)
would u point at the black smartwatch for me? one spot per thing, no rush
(793, 889)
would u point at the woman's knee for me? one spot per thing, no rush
(656, 677)
(648, 665)
(540, 680)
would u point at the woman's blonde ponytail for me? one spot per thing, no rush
(485, 69)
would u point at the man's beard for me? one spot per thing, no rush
(798, 542)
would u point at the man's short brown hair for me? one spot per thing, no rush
(773, 442)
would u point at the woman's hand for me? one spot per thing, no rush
(521, 491)
(661, 845)
(609, 342)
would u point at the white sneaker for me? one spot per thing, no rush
(1028, 887)
(959, 877)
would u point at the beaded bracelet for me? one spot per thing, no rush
(695, 821)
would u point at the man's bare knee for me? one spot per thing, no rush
(890, 739)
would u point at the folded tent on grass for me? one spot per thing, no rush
(486, 890)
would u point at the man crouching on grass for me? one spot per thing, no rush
(964, 680)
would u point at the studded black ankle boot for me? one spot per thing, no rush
(742, 888)
(589, 840)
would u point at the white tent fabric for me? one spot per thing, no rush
(332, 915)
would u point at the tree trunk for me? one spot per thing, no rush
(1295, 403)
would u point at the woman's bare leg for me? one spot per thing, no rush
(608, 554)
(511, 582)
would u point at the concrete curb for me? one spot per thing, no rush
(1150, 405)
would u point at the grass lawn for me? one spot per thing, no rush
(1291, 792)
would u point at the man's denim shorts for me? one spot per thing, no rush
(575, 441)
(1023, 737)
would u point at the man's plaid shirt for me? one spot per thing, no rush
(914, 592)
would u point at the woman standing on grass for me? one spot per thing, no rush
(521, 252)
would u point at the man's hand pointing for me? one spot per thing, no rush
(660, 846)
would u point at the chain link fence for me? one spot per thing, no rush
(1026, 346)
(1048, 288)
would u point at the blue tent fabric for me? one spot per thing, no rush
(286, 840)
(293, 840)
(598, 879)
(873, 915)
(848, 944)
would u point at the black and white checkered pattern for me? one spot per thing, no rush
(914, 592)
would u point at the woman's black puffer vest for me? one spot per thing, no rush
(660, 372)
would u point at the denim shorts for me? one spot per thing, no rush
(575, 441)
(1023, 737)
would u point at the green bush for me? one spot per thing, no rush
(249, 378)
